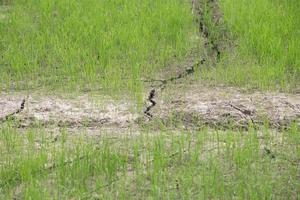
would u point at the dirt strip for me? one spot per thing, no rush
(93, 112)
(188, 105)
(196, 105)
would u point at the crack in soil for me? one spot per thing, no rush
(153, 103)
(96, 112)
(9, 116)
(204, 29)
(189, 106)
(190, 70)
(193, 106)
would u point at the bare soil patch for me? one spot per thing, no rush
(198, 105)
(92, 112)
(182, 104)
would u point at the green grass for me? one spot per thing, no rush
(266, 34)
(186, 165)
(93, 43)
(112, 44)
(98, 44)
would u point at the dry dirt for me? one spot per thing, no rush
(192, 104)
(85, 111)
(197, 105)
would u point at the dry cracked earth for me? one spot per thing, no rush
(225, 107)
(190, 105)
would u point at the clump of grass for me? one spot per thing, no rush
(189, 165)
(267, 37)
(94, 44)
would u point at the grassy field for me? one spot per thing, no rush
(266, 35)
(94, 44)
(98, 44)
(167, 165)
(109, 46)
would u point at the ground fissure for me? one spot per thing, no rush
(9, 116)
(163, 84)
(200, 11)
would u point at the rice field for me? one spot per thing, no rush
(129, 63)
(94, 44)
(266, 51)
(166, 165)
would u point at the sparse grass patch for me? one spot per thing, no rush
(190, 165)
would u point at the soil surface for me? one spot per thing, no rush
(197, 105)
(192, 104)
(91, 112)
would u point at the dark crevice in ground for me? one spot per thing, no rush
(209, 17)
(11, 115)
(153, 103)
(211, 45)
(163, 83)
(188, 71)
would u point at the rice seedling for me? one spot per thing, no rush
(112, 46)
(92, 44)
(266, 34)
(204, 164)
